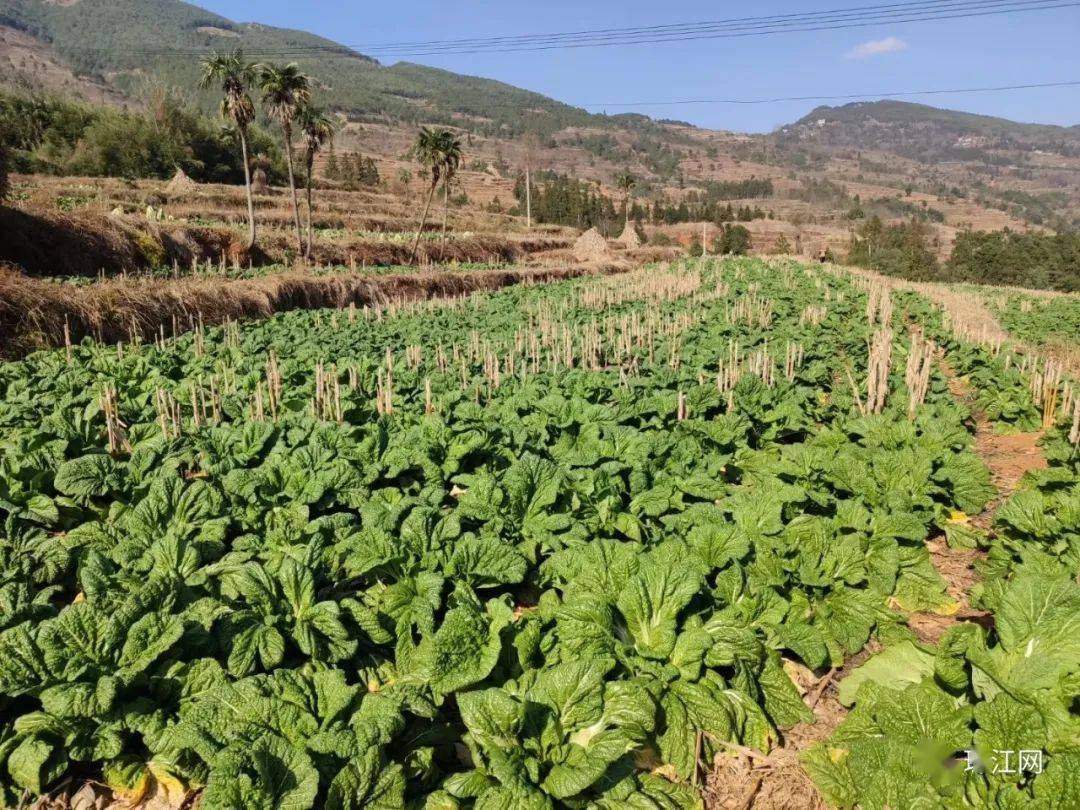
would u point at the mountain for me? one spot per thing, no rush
(1031, 171)
(928, 133)
(120, 43)
(890, 158)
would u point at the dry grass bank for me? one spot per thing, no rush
(33, 312)
(85, 243)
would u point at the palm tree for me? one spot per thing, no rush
(451, 160)
(626, 182)
(429, 150)
(234, 76)
(285, 90)
(317, 129)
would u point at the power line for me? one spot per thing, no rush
(781, 99)
(785, 99)
(858, 17)
(825, 24)
(865, 14)
(676, 27)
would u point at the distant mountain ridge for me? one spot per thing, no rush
(972, 170)
(918, 130)
(122, 42)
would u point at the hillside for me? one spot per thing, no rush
(1030, 170)
(891, 159)
(120, 43)
(903, 126)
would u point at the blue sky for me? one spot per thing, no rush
(1025, 48)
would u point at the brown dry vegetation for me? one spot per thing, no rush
(85, 243)
(33, 313)
(35, 66)
(741, 779)
(205, 226)
(387, 208)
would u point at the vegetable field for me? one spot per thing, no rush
(552, 546)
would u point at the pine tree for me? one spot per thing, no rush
(355, 165)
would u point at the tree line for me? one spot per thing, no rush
(353, 171)
(44, 135)
(714, 212)
(714, 204)
(1032, 259)
(561, 200)
(731, 240)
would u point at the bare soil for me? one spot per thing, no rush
(1009, 457)
(742, 779)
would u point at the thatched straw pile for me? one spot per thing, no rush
(629, 237)
(260, 183)
(591, 246)
(181, 184)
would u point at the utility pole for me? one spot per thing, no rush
(532, 147)
(704, 243)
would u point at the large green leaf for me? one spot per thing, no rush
(367, 782)
(269, 774)
(652, 599)
(88, 476)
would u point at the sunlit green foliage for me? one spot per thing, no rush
(53, 136)
(526, 592)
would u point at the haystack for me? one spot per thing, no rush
(630, 236)
(181, 183)
(260, 183)
(591, 247)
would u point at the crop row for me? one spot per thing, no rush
(555, 545)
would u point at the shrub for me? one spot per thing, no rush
(900, 250)
(1034, 260)
(732, 239)
(152, 250)
(61, 137)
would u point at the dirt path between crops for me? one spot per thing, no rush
(1009, 457)
(745, 780)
